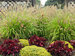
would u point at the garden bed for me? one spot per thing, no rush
(43, 32)
(36, 46)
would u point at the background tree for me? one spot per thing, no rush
(38, 2)
(35, 2)
(55, 3)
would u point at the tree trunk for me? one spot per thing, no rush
(33, 2)
(66, 3)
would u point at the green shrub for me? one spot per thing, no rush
(24, 42)
(34, 51)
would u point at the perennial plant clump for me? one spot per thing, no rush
(14, 27)
(61, 29)
(59, 48)
(38, 41)
(10, 47)
(24, 42)
(72, 43)
(34, 51)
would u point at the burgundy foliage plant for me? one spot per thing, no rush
(10, 47)
(72, 43)
(38, 41)
(59, 48)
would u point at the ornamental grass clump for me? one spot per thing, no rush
(34, 51)
(43, 27)
(13, 27)
(60, 48)
(61, 29)
(10, 47)
(38, 41)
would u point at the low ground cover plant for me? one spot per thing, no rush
(34, 51)
(72, 43)
(24, 42)
(38, 41)
(21, 47)
(60, 48)
(10, 47)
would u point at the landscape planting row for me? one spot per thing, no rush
(20, 28)
(36, 46)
